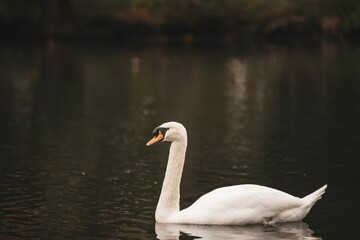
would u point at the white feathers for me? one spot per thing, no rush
(233, 205)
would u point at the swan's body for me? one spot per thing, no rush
(233, 205)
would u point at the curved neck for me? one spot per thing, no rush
(169, 201)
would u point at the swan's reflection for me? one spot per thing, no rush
(296, 230)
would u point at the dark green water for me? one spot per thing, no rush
(75, 118)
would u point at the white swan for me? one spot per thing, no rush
(233, 205)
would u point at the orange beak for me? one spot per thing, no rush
(156, 139)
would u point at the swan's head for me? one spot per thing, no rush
(169, 132)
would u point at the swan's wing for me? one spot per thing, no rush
(239, 204)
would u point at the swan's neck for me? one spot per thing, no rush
(169, 201)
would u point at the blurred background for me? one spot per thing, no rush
(268, 91)
(186, 20)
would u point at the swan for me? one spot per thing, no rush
(232, 205)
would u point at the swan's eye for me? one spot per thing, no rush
(161, 130)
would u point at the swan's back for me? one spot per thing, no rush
(244, 204)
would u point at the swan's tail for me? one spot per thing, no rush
(313, 197)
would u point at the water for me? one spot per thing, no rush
(75, 117)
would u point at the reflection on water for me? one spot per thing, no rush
(74, 120)
(296, 230)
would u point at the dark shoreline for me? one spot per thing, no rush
(187, 21)
(185, 39)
